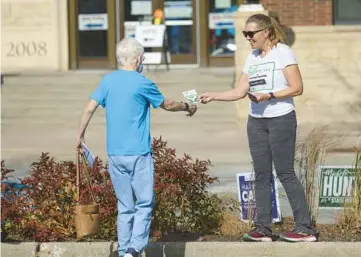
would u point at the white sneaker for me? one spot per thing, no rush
(131, 252)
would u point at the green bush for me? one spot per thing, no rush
(43, 210)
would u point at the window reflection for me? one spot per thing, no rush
(180, 39)
(179, 21)
(221, 27)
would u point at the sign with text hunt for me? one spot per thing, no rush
(336, 186)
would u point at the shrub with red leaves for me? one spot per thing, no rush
(43, 210)
(183, 203)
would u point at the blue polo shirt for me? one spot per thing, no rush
(126, 97)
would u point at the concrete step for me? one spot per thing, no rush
(186, 249)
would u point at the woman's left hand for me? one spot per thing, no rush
(260, 97)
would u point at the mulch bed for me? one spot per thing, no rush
(328, 233)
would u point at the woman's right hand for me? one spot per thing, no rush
(206, 97)
(252, 97)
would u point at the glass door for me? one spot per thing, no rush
(179, 18)
(221, 31)
(133, 13)
(92, 34)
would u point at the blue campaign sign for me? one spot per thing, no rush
(90, 159)
(247, 200)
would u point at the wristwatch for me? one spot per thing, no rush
(186, 106)
(272, 95)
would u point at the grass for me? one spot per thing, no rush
(350, 218)
(232, 230)
(232, 226)
(310, 153)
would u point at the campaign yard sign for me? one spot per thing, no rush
(90, 159)
(336, 186)
(150, 35)
(247, 200)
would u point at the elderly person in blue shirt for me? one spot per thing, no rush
(127, 96)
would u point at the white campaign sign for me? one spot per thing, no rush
(155, 57)
(93, 22)
(150, 35)
(152, 58)
(130, 26)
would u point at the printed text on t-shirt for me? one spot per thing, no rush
(261, 76)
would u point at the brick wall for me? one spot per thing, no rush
(301, 12)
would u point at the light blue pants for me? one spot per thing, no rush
(133, 181)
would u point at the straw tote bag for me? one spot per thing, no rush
(87, 220)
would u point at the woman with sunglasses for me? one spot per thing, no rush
(271, 79)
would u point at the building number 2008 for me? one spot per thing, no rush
(33, 48)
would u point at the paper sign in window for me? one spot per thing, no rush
(141, 7)
(223, 4)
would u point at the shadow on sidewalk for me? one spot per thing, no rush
(161, 250)
(167, 250)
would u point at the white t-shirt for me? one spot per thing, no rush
(265, 75)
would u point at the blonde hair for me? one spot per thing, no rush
(276, 34)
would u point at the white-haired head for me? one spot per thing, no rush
(129, 52)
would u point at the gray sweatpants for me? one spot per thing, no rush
(273, 140)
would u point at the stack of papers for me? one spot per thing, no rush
(191, 96)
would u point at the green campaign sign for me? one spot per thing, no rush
(336, 186)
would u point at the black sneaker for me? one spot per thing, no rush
(131, 252)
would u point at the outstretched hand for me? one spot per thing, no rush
(192, 110)
(206, 97)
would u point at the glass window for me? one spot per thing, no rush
(179, 21)
(137, 10)
(347, 11)
(93, 40)
(222, 27)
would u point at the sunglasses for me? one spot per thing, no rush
(251, 34)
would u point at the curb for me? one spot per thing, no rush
(189, 249)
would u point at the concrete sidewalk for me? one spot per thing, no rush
(41, 112)
(192, 249)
